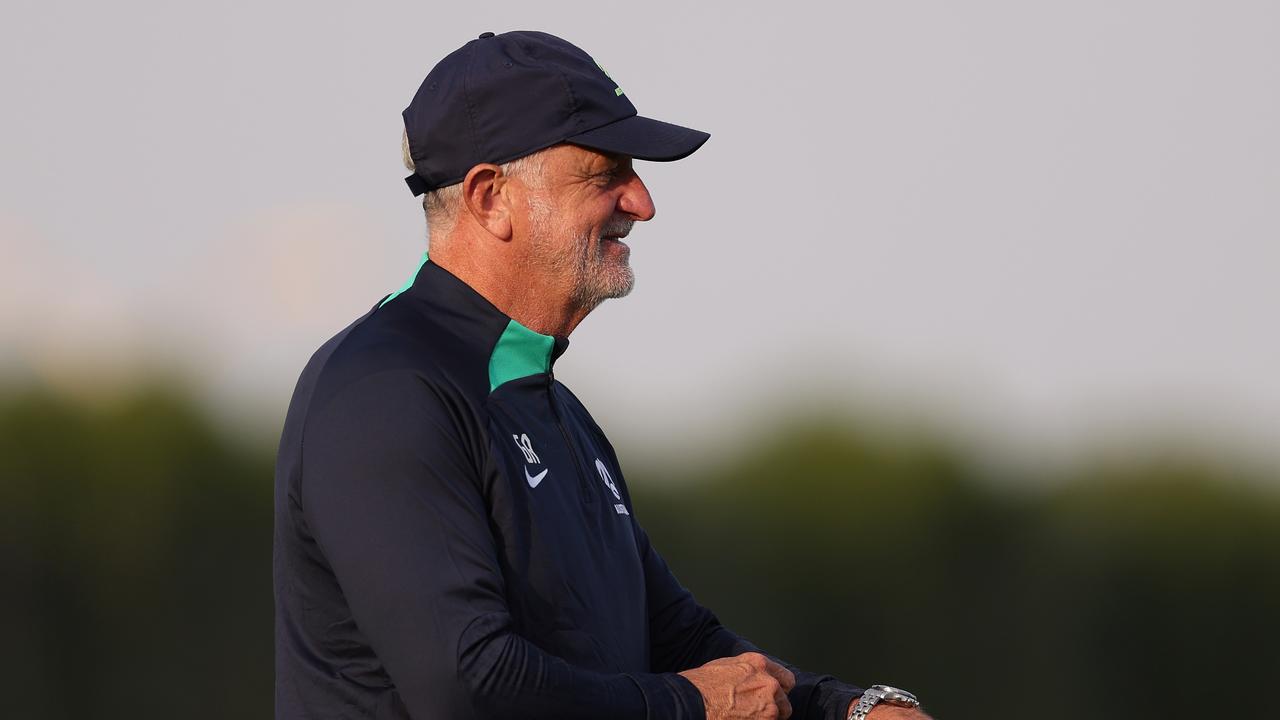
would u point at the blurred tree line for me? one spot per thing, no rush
(135, 547)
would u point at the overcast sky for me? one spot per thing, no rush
(1035, 222)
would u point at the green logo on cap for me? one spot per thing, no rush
(617, 91)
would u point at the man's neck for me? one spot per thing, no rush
(547, 310)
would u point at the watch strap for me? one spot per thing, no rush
(863, 706)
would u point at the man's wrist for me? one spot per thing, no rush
(878, 696)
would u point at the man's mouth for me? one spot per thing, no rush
(615, 238)
(611, 236)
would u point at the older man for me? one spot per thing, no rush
(454, 536)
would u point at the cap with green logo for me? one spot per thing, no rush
(501, 97)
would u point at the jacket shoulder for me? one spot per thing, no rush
(395, 339)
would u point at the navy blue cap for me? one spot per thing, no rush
(501, 97)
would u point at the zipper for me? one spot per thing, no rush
(573, 450)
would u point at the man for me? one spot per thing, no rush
(454, 536)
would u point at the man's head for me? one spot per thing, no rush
(557, 217)
(523, 145)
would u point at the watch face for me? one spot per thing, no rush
(894, 696)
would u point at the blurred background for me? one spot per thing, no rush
(960, 333)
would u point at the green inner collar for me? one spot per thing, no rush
(520, 352)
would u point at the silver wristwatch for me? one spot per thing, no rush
(877, 694)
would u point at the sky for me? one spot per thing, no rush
(1031, 225)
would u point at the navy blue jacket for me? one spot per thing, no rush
(454, 537)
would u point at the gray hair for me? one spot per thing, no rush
(441, 205)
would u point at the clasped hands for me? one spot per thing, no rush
(750, 686)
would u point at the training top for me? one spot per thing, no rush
(454, 538)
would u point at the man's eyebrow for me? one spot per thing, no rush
(613, 165)
(610, 169)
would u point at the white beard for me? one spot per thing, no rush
(580, 259)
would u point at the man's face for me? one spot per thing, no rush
(576, 219)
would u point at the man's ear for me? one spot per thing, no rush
(484, 192)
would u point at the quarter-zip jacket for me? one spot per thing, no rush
(454, 538)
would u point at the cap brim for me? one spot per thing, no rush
(643, 138)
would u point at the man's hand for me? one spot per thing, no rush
(890, 712)
(747, 687)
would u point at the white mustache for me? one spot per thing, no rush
(620, 229)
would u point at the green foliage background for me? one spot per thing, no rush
(135, 547)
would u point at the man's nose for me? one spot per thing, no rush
(636, 200)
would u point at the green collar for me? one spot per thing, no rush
(520, 352)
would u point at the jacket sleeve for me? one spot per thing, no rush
(392, 496)
(683, 634)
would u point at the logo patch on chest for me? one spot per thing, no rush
(607, 479)
(535, 479)
(526, 447)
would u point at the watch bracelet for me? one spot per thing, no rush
(862, 707)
